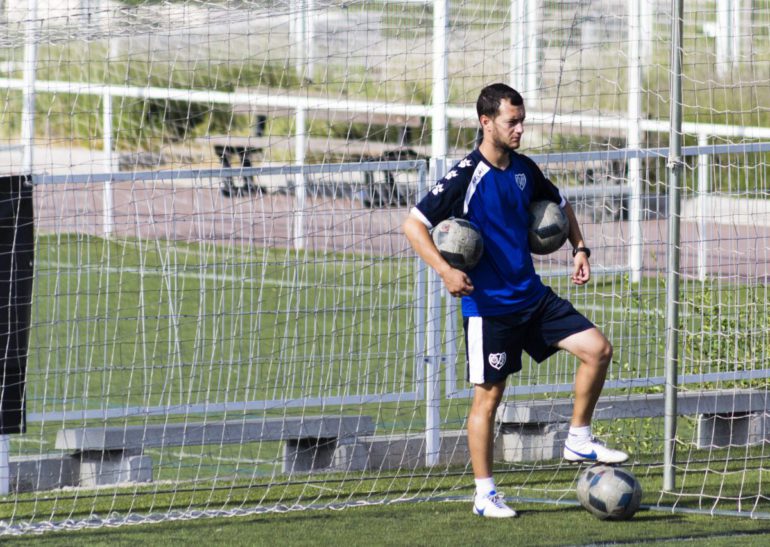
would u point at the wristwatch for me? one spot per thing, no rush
(585, 250)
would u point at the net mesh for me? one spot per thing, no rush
(227, 319)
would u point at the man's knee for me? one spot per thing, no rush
(486, 399)
(596, 351)
(600, 351)
(604, 353)
(486, 408)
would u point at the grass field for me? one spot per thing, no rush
(430, 523)
(151, 323)
(379, 518)
(233, 327)
(174, 324)
(427, 523)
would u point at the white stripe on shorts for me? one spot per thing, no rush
(475, 350)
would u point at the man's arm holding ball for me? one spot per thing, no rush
(456, 281)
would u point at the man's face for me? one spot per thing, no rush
(506, 129)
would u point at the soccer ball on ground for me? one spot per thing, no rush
(548, 227)
(609, 493)
(459, 242)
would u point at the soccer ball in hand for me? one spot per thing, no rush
(459, 242)
(548, 227)
(609, 493)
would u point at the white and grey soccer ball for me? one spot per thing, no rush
(609, 492)
(548, 227)
(459, 242)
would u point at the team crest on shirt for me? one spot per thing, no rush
(497, 360)
(521, 180)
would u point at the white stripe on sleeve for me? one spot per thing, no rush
(416, 213)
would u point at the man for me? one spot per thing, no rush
(506, 307)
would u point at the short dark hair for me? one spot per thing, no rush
(488, 103)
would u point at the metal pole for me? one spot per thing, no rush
(433, 353)
(28, 106)
(533, 53)
(634, 140)
(298, 40)
(740, 30)
(309, 28)
(439, 146)
(433, 373)
(420, 303)
(518, 41)
(449, 355)
(647, 24)
(113, 54)
(704, 184)
(724, 37)
(439, 136)
(672, 248)
(87, 9)
(299, 180)
(108, 162)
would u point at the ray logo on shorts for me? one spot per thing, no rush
(497, 360)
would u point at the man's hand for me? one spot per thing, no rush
(582, 272)
(457, 282)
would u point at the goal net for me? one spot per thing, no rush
(225, 317)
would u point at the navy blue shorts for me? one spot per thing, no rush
(494, 344)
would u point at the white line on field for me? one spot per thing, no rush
(224, 459)
(283, 283)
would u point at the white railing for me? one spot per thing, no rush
(300, 175)
(702, 212)
(301, 105)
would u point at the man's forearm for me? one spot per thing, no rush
(575, 235)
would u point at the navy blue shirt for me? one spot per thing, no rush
(497, 202)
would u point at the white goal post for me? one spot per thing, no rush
(225, 311)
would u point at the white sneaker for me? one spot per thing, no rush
(593, 450)
(492, 506)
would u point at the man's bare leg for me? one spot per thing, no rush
(594, 351)
(481, 420)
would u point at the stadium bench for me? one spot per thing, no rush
(536, 429)
(116, 454)
(374, 121)
(244, 153)
(249, 151)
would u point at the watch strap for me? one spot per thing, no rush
(585, 250)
